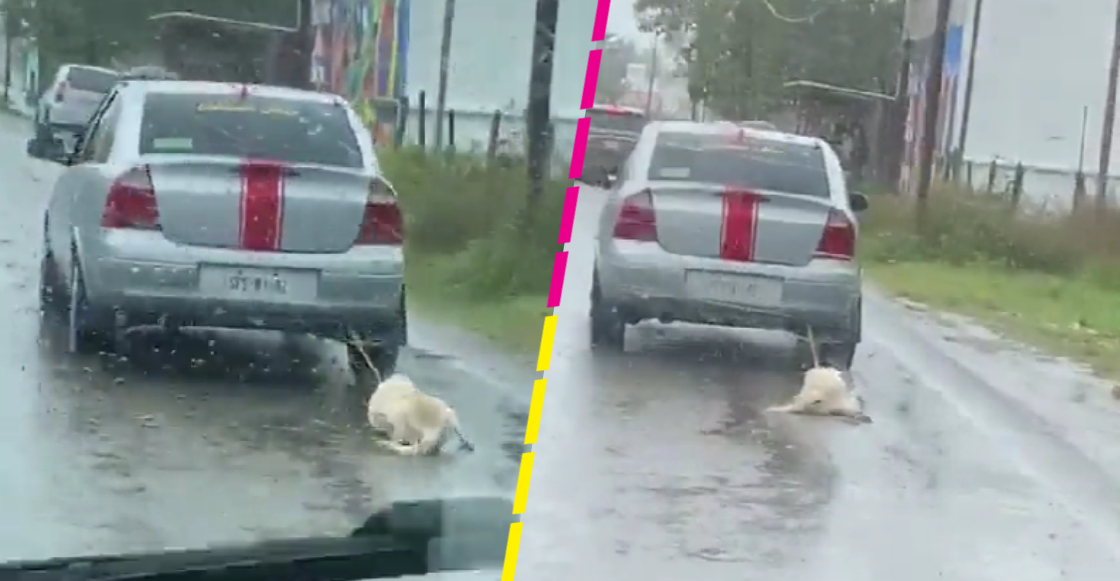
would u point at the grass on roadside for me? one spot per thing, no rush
(479, 255)
(514, 322)
(1053, 281)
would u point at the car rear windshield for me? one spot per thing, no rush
(759, 164)
(278, 129)
(616, 120)
(93, 80)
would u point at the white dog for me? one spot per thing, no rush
(412, 421)
(824, 393)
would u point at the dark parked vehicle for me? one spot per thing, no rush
(613, 133)
(149, 73)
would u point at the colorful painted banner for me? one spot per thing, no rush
(951, 75)
(360, 53)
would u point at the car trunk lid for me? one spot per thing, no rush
(259, 205)
(739, 224)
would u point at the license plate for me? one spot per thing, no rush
(734, 288)
(258, 283)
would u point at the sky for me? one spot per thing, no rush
(621, 20)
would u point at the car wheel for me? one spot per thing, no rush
(384, 356)
(81, 337)
(840, 351)
(43, 133)
(50, 299)
(840, 355)
(843, 353)
(608, 330)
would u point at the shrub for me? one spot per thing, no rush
(475, 221)
(964, 227)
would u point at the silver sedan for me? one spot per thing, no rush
(196, 204)
(716, 224)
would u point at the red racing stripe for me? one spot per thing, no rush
(262, 206)
(739, 225)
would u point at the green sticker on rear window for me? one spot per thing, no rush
(173, 144)
(245, 108)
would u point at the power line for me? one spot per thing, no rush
(790, 19)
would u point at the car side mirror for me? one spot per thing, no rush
(858, 201)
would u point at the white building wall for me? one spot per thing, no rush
(1038, 64)
(491, 52)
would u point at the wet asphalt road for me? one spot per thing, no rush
(211, 438)
(985, 461)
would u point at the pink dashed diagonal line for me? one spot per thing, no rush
(579, 148)
(601, 13)
(567, 221)
(576, 171)
(593, 61)
(590, 81)
(558, 269)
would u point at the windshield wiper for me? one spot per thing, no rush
(407, 538)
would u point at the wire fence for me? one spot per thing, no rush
(499, 136)
(1050, 189)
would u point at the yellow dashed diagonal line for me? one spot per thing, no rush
(521, 498)
(514, 544)
(549, 333)
(535, 408)
(525, 475)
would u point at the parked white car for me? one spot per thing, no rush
(70, 100)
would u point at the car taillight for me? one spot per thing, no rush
(838, 241)
(60, 93)
(636, 219)
(131, 202)
(382, 222)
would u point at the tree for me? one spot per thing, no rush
(94, 32)
(15, 15)
(738, 53)
(618, 54)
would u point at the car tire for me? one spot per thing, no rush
(43, 133)
(82, 337)
(383, 356)
(608, 330)
(842, 353)
(50, 299)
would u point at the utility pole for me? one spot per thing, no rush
(966, 112)
(932, 107)
(444, 67)
(539, 113)
(652, 74)
(1109, 116)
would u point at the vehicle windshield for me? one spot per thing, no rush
(741, 160)
(612, 120)
(92, 80)
(279, 129)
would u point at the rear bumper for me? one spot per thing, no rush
(600, 158)
(643, 281)
(148, 279)
(377, 324)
